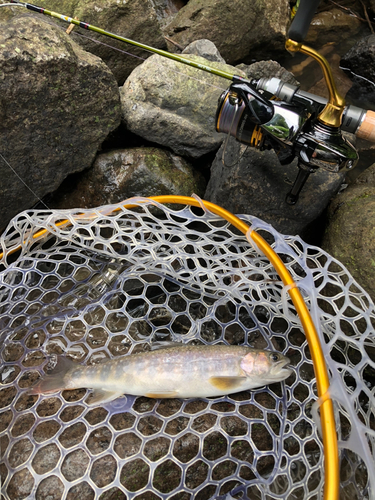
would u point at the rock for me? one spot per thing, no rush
(366, 152)
(255, 183)
(174, 105)
(133, 19)
(121, 174)
(240, 30)
(204, 48)
(360, 62)
(342, 81)
(267, 69)
(332, 24)
(166, 9)
(57, 105)
(350, 233)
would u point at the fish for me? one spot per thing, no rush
(177, 371)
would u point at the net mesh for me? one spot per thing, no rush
(114, 280)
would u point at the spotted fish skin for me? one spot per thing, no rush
(182, 371)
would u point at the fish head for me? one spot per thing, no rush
(279, 365)
(269, 366)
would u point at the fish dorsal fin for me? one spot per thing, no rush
(162, 394)
(227, 383)
(101, 396)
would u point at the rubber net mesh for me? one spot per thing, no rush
(112, 281)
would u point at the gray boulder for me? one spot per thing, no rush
(57, 105)
(174, 105)
(120, 174)
(204, 48)
(240, 30)
(133, 19)
(267, 69)
(350, 233)
(253, 182)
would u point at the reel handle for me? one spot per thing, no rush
(302, 20)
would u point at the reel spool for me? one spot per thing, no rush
(234, 118)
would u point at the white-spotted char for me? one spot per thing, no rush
(182, 371)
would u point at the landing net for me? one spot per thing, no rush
(112, 281)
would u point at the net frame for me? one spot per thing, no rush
(327, 417)
(136, 224)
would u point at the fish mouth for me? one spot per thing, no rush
(283, 368)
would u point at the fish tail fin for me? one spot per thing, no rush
(54, 380)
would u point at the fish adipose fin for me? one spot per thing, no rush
(226, 383)
(54, 380)
(162, 394)
(101, 396)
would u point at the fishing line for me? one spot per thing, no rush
(102, 43)
(23, 182)
(147, 48)
(113, 48)
(226, 144)
(144, 59)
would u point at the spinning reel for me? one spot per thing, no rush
(298, 124)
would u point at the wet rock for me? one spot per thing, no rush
(360, 63)
(240, 30)
(332, 24)
(350, 233)
(57, 105)
(166, 9)
(121, 174)
(133, 19)
(174, 105)
(50, 488)
(167, 476)
(254, 182)
(21, 484)
(342, 81)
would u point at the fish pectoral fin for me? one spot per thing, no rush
(162, 394)
(226, 383)
(100, 396)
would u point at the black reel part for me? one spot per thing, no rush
(304, 172)
(261, 109)
(322, 147)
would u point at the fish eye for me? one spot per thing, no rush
(274, 357)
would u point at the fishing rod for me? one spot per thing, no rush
(160, 52)
(297, 125)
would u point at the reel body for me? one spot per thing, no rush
(292, 129)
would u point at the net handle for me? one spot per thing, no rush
(330, 445)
